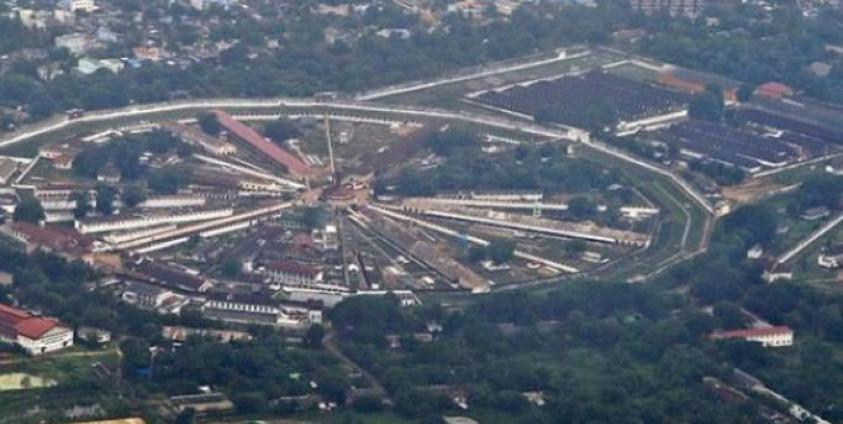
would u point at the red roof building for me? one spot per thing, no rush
(767, 336)
(36, 335)
(678, 83)
(774, 90)
(59, 240)
(246, 134)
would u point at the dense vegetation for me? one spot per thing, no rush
(252, 373)
(307, 63)
(545, 168)
(755, 48)
(608, 352)
(598, 352)
(746, 43)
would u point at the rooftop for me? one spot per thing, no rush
(170, 275)
(753, 332)
(294, 165)
(293, 268)
(22, 323)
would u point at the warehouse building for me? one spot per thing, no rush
(262, 145)
(35, 335)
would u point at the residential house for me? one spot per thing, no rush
(205, 4)
(88, 66)
(74, 6)
(93, 335)
(151, 54)
(774, 90)
(755, 252)
(109, 175)
(76, 43)
(105, 35)
(831, 257)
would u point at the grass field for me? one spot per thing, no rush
(65, 381)
(65, 367)
(19, 380)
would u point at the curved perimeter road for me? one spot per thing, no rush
(344, 108)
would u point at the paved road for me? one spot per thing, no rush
(560, 56)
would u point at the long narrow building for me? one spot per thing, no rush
(246, 134)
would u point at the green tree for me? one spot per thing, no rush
(575, 248)
(368, 404)
(281, 129)
(133, 195)
(29, 210)
(105, 199)
(501, 250)
(582, 208)
(312, 217)
(745, 92)
(601, 116)
(83, 205)
(476, 253)
(209, 123)
(249, 403)
(168, 181)
(708, 105)
(188, 416)
(136, 354)
(313, 338)
(231, 268)
(545, 115)
(453, 139)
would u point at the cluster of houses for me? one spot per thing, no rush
(91, 24)
(169, 288)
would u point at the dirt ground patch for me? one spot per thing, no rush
(753, 190)
(19, 380)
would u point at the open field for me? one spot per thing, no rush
(67, 380)
(19, 380)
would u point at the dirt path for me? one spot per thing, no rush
(329, 343)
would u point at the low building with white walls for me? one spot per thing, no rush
(293, 273)
(87, 6)
(261, 308)
(35, 335)
(768, 336)
(174, 201)
(831, 257)
(148, 296)
(130, 222)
